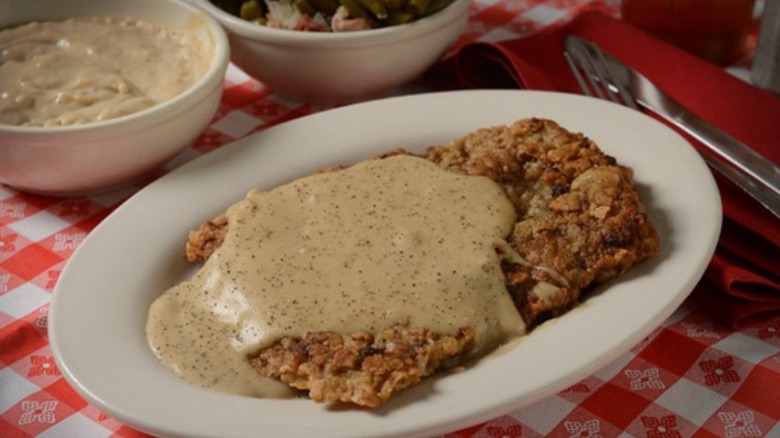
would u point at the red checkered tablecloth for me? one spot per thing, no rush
(692, 377)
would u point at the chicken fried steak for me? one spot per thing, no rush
(579, 223)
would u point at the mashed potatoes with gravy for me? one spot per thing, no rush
(87, 69)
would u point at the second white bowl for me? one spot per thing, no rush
(342, 67)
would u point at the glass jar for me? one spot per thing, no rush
(716, 30)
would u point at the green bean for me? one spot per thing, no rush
(377, 8)
(382, 12)
(396, 4)
(395, 18)
(354, 8)
(436, 6)
(327, 7)
(233, 7)
(251, 10)
(417, 8)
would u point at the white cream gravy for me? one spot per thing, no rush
(88, 69)
(361, 249)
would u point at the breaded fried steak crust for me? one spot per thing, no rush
(360, 368)
(580, 220)
(580, 223)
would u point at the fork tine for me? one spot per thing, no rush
(602, 66)
(578, 76)
(596, 60)
(588, 58)
(582, 59)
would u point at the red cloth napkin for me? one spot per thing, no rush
(742, 283)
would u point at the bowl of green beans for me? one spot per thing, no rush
(335, 52)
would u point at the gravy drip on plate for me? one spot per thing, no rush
(87, 69)
(357, 250)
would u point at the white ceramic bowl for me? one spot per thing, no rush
(96, 157)
(343, 67)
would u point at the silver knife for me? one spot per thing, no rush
(764, 181)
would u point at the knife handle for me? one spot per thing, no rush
(746, 183)
(764, 176)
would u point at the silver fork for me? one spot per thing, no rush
(591, 70)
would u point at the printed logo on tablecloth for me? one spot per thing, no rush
(64, 242)
(661, 427)
(700, 330)
(577, 429)
(51, 278)
(641, 380)
(719, 370)
(739, 424)
(8, 243)
(12, 210)
(658, 421)
(42, 412)
(68, 241)
(501, 427)
(42, 320)
(37, 411)
(5, 279)
(739, 417)
(697, 328)
(644, 379)
(42, 365)
(582, 422)
(510, 431)
(581, 391)
(769, 331)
